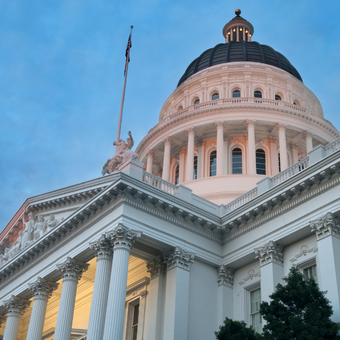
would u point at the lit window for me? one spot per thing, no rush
(258, 94)
(195, 167)
(213, 163)
(277, 97)
(177, 175)
(260, 162)
(255, 301)
(135, 322)
(215, 96)
(310, 273)
(237, 161)
(196, 101)
(236, 94)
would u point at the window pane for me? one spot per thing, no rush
(310, 273)
(258, 94)
(195, 167)
(255, 300)
(237, 161)
(277, 97)
(215, 96)
(177, 175)
(135, 322)
(213, 163)
(260, 162)
(236, 94)
(197, 101)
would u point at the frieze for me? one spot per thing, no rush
(251, 275)
(304, 250)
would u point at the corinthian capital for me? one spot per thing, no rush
(280, 126)
(179, 258)
(219, 124)
(250, 122)
(72, 269)
(16, 305)
(156, 267)
(168, 140)
(191, 130)
(272, 139)
(328, 225)
(102, 247)
(42, 288)
(270, 252)
(123, 237)
(225, 276)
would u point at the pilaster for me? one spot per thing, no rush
(251, 146)
(225, 281)
(283, 145)
(220, 148)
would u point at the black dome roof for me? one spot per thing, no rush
(239, 51)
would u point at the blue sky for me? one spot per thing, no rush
(61, 75)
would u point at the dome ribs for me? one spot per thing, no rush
(245, 51)
(228, 52)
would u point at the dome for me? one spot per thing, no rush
(239, 51)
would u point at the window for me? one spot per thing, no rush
(258, 94)
(196, 101)
(296, 103)
(237, 161)
(215, 96)
(180, 108)
(260, 162)
(310, 273)
(278, 97)
(279, 160)
(234, 35)
(255, 300)
(236, 94)
(213, 163)
(177, 175)
(135, 322)
(195, 167)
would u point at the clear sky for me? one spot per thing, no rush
(61, 75)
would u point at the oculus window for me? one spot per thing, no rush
(237, 161)
(236, 94)
(213, 163)
(260, 162)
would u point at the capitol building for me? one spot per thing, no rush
(237, 182)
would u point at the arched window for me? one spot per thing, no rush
(278, 97)
(180, 108)
(215, 96)
(177, 175)
(237, 161)
(196, 101)
(258, 94)
(296, 102)
(195, 167)
(260, 162)
(213, 163)
(236, 93)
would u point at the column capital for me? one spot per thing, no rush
(42, 288)
(72, 269)
(328, 225)
(270, 252)
(102, 247)
(219, 124)
(225, 276)
(16, 305)
(122, 237)
(307, 134)
(250, 122)
(156, 267)
(179, 258)
(273, 139)
(183, 150)
(191, 130)
(151, 153)
(168, 140)
(280, 126)
(295, 146)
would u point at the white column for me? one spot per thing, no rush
(176, 311)
(244, 33)
(327, 231)
(283, 146)
(199, 159)
(103, 250)
(295, 152)
(274, 155)
(15, 307)
(237, 33)
(190, 154)
(166, 159)
(226, 156)
(122, 239)
(231, 35)
(251, 147)
(220, 149)
(149, 163)
(154, 308)
(271, 263)
(42, 291)
(203, 159)
(182, 153)
(72, 272)
(309, 141)
(225, 280)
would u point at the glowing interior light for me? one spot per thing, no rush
(240, 29)
(234, 30)
(229, 33)
(246, 31)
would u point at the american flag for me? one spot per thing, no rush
(127, 52)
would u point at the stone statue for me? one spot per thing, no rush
(28, 236)
(51, 223)
(4, 257)
(123, 154)
(16, 247)
(39, 227)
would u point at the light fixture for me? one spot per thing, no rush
(234, 30)
(229, 33)
(249, 35)
(241, 29)
(246, 31)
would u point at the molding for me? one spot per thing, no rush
(71, 269)
(179, 258)
(156, 267)
(137, 285)
(42, 288)
(328, 225)
(16, 305)
(225, 276)
(102, 247)
(304, 250)
(250, 276)
(271, 252)
(122, 237)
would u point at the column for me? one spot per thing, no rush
(220, 149)
(295, 152)
(226, 155)
(271, 263)
(231, 35)
(251, 147)
(176, 311)
(182, 153)
(237, 33)
(72, 272)
(283, 146)
(327, 230)
(154, 312)
(190, 154)
(309, 141)
(203, 158)
(103, 250)
(274, 155)
(122, 239)
(199, 159)
(42, 291)
(15, 307)
(149, 163)
(225, 280)
(166, 159)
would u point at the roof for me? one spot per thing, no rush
(239, 51)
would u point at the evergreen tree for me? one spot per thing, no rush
(298, 310)
(236, 330)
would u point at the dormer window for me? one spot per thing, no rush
(236, 94)
(215, 96)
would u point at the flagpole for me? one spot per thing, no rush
(123, 95)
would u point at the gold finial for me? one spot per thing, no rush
(238, 12)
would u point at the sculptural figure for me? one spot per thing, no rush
(39, 227)
(28, 236)
(51, 223)
(16, 247)
(4, 257)
(123, 154)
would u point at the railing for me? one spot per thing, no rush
(241, 200)
(332, 147)
(291, 171)
(159, 183)
(82, 337)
